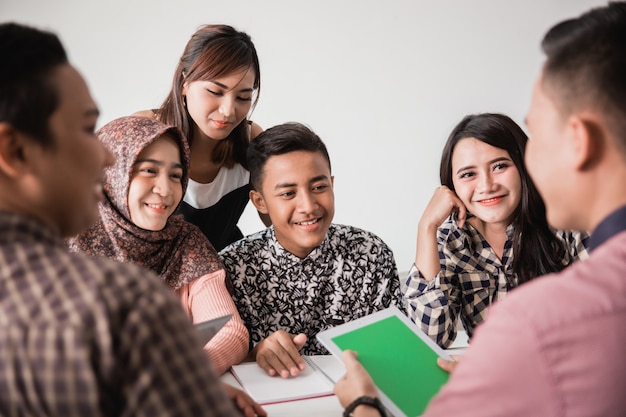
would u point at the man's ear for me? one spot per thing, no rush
(12, 152)
(258, 201)
(588, 140)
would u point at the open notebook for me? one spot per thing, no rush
(317, 380)
(401, 359)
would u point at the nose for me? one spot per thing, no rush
(162, 186)
(307, 202)
(485, 183)
(227, 106)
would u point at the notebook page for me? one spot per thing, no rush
(266, 389)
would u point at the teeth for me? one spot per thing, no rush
(156, 206)
(308, 223)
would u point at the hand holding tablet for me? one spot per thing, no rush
(400, 358)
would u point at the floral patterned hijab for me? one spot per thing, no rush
(179, 253)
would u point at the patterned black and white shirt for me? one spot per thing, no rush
(351, 274)
(471, 278)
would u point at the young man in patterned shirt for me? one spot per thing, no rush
(303, 274)
(81, 336)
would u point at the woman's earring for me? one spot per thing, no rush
(185, 101)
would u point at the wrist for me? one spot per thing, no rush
(428, 227)
(374, 405)
(251, 357)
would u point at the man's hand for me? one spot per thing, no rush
(448, 366)
(355, 383)
(244, 402)
(279, 353)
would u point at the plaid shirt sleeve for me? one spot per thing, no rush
(435, 305)
(432, 305)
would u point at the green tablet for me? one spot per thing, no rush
(399, 356)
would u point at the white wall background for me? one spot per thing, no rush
(382, 82)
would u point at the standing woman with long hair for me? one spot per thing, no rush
(483, 232)
(216, 86)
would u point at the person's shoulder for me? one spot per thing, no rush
(583, 289)
(115, 287)
(102, 273)
(255, 130)
(98, 266)
(571, 235)
(193, 234)
(352, 237)
(573, 238)
(246, 245)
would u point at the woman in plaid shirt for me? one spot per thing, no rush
(484, 231)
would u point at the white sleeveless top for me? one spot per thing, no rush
(201, 196)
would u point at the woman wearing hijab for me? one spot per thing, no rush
(142, 191)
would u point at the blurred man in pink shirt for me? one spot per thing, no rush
(554, 346)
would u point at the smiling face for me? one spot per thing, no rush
(67, 177)
(217, 106)
(155, 187)
(297, 194)
(486, 180)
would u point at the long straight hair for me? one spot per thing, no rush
(211, 52)
(536, 249)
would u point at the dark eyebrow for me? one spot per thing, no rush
(284, 185)
(493, 161)
(225, 87)
(312, 180)
(319, 178)
(158, 163)
(464, 168)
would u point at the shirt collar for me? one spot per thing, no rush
(280, 252)
(467, 226)
(609, 227)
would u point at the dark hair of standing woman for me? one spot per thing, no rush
(536, 248)
(213, 51)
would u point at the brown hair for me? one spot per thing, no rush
(536, 249)
(211, 52)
